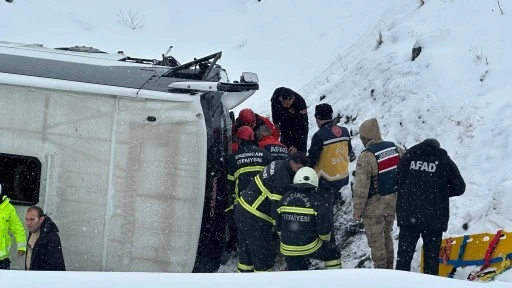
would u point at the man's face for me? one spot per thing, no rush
(318, 122)
(287, 102)
(33, 221)
(295, 166)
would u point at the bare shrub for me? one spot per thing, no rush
(379, 40)
(132, 19)
(499, 6)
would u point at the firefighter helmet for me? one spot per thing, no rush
(247, 117)
(306, 177)
(245, 133)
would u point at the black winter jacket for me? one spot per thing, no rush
(303, 221)
(244, 165)
(47, 251)
(273, 182)
(427, 177)
(293, 122)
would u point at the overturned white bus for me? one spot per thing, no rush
(126, 155)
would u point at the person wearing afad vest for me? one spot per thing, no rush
(428, 178)
(375, 191)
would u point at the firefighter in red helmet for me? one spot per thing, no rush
(247, 117)
(243, 165)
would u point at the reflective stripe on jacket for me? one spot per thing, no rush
(329, 155)
(303, 222)
(267, 187)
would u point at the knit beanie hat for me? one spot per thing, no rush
(323, 111)
(432, 142)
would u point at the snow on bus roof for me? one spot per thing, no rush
(39, 51)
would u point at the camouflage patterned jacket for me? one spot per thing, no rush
(377, 205)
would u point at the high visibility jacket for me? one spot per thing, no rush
(329, 154)
(268, 186)
(243, 165)
(303, 222)
(277, 150)
(10, 223)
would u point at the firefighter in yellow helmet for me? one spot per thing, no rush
(305, 226)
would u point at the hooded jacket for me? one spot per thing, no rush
(10, 223)
(276, 149)
(47, 251)
(366, 168)
(427, 177)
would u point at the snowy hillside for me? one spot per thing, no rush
(455, 91)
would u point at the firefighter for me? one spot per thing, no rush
(265, 140)
(303, 221)
(243, 165)
(247, 117)
(254, 212)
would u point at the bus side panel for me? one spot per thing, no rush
(72, 131)
(159, 183)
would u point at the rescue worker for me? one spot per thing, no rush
(242, 166)
(427, 178)
(329, 154)
(375, 192)
(305, 225)
(10, 223)
(44, 247)
(254, 212)
(265, 140)
(290, 115)
(247, 117)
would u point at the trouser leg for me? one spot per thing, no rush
(245, 263)
(431, 245)
(5, 264)
(330, 254)
(407, 240)
(303, 144)
(296, 263)
(388, 241)
(327, 194)
(259, 238)
(231, 244)
(374, 228)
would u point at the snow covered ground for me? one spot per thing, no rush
(456, 90)
(306, 279)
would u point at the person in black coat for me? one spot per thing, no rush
(427, 178)
(243, 166)
(254, 212)
(44, 248)
(290, 116)
(305, 226)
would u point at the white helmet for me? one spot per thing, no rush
(306, 177)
